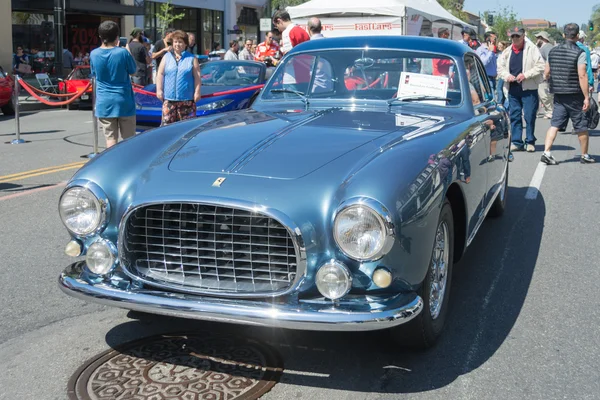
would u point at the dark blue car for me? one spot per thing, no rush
(339, 200)
(239, 81)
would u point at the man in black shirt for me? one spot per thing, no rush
(162, 46)
(567, 72)
(138, 51)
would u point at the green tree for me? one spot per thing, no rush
(166, 17)
(455, 7)
(504, 20)
(282, 4)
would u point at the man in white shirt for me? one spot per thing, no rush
(291, 34)
(246, 54)
(233, 50)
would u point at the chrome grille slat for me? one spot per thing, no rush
(199, 246)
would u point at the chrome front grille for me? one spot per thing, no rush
(198, 248)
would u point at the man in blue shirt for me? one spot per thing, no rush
(489, 59)
(588, 57)
(112, 66)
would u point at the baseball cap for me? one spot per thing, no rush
(137, 31)
(518, 31)
(543, 35)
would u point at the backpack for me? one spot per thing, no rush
(592, 114)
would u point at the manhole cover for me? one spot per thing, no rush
(179, 367)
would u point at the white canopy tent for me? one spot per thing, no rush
(375, 17)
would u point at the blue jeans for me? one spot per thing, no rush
(492, 82)
(524, 104)
(500, 98)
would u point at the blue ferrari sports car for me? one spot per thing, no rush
(339, 200)
(226, 86)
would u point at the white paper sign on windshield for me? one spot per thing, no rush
(414, 84)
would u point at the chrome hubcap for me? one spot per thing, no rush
(439, 271)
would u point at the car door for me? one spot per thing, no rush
(477, 147)
(495, 124)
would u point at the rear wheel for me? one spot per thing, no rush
(424, 330)
(8, 109)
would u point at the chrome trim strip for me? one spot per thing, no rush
(293, 232)
(385, 218)
(102, 199)
(363, 316)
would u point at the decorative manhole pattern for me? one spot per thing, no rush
(194, 366)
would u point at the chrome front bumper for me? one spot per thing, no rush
(346, 316)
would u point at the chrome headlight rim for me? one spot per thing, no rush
(102, 200)
(383, 216)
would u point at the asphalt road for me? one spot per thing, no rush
(525, 310)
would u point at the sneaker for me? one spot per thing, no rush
(490, 158)
(548, 160)
(587, 159)
(514, 147)
(510, 157)
(530, 148)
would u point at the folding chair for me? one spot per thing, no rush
(46, 84)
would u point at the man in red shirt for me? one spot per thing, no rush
(291, 34)
(268, 48)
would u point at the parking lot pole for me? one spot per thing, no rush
(94, 120)
(18, 140)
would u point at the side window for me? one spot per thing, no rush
(295, 76)
(323, 78)
(477, 86)
(486, 88)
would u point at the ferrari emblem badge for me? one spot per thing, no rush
(218, 182)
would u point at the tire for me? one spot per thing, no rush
(9, 109)
(499, 204)
(425, 329)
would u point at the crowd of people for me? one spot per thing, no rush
(171, 63)
(526, 75)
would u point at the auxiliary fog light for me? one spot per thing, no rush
(382, 277)
(101, 257)
(73, 248)
(333, 280)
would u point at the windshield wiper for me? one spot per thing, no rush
(393, 101)
(296, 92)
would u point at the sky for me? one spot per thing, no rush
(560, 11)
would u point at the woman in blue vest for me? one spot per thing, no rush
(178, 81)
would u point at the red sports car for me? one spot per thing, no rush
(76, 82)
(6, 92)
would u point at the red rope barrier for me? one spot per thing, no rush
(28, 88)
(52, 94)
(246, 89)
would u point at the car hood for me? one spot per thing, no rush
(286, 145)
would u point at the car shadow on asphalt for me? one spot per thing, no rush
(489, 288)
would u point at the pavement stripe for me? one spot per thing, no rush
(39, 169)
(26, 192)
(48, 171)
(536, 182)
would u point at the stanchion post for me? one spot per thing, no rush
(18, 139)
(94, 120)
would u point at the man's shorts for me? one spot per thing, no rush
(569, 106)
(113, 126)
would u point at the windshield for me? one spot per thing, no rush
(80, 73)
(231, 73)
(367, 74)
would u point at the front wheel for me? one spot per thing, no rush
(424, 330)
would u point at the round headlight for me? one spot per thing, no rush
(361, 233)
(81, 211)
(100, 257)
(333, 280)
